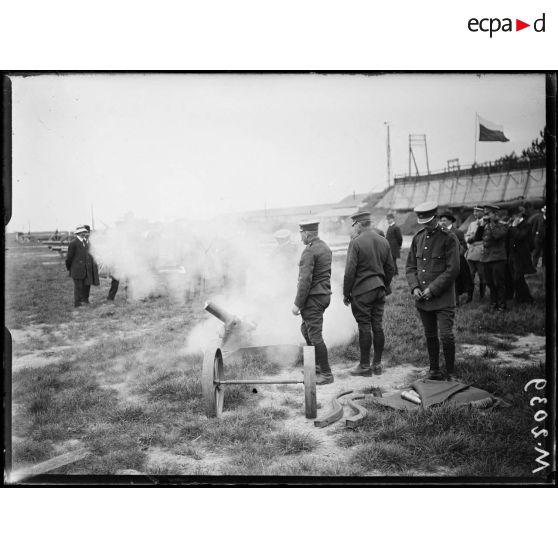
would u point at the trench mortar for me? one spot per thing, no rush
(236, 339)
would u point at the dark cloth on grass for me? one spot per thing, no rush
(434, 392)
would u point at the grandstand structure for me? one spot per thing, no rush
(460, 187)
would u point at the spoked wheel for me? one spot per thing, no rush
(213, 394)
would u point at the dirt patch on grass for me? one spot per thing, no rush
(291, 399)
(523, 351)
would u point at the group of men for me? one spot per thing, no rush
(502, 250)
(438, 254)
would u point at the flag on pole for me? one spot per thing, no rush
(490, 132)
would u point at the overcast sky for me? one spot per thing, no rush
(187, 146)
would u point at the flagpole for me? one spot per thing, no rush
(476, 127)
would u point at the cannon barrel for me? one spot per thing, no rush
(219, 313)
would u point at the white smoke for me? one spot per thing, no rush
(234, 265)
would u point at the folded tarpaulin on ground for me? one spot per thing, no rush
(434, 392)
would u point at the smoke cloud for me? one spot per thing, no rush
(229, 262)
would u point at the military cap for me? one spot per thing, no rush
(390, 216)
(309, 225)
(87, 228)
(520, 210)
(282, 234)
(80, 230)
(425, 212)
(361, 216)
(448, 215)
(492, 207)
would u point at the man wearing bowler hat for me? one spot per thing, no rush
(81, 265)
(432, 268)
(314, 294)
(368, 273)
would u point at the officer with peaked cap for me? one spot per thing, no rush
(314, 294)
(473, 237)
(368, 273)
(432, 268)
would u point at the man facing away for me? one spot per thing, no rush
(395, 239)
(473, 237)
(81, 265)
(432, 268)
(368, 273)
(314, 295)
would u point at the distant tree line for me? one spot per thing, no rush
(536, 151)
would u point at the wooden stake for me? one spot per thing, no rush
(310, 404)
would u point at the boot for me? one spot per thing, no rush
(365, 343)
(361, 370)
(325, 376)
(433, 348)
(448, 348)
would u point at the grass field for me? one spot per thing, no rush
(115, 379)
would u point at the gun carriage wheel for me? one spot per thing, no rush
(213, 393)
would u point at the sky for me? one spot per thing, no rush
(190, 146)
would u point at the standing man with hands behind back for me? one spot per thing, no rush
(368, 274)
(432, 268)
(314, 295)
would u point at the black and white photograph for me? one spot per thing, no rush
(279, 277)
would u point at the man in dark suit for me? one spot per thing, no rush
(463, 282)
(519, 255)
(368, 274)
(395, 239)
(432, 268)
(81, 265)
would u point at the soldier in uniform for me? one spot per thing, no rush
(494, 256)
(432, 268)
(368, 274)
(473, 237)
(314, 295)
(395, 239)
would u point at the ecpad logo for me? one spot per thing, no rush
(494, 24)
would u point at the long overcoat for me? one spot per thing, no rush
(395, 239)
(80, 263)
(520, 246)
